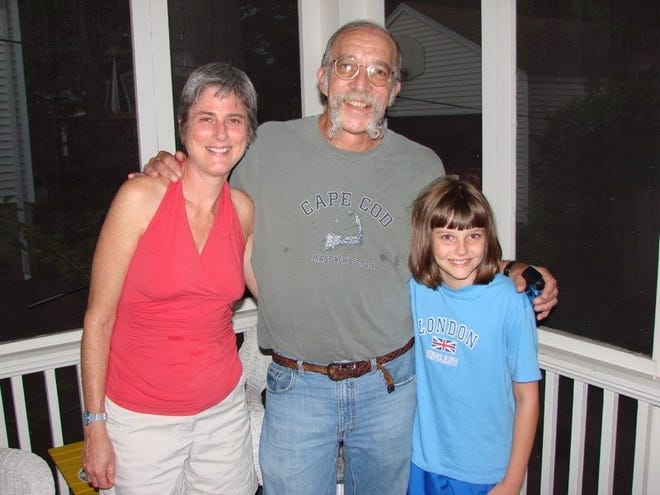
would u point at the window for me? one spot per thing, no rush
(440, 101)
(68, 140)
(588, 80)
(587, 202)
(258, 36)
(68, 128)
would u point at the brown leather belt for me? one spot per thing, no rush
(340, 370)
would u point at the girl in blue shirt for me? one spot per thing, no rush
(475, 344)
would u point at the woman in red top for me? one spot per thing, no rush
(162, 383)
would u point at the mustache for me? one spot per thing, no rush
(354, 95)
(375, 127)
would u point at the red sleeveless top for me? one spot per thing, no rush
(173, 349)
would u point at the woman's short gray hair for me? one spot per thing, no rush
(229, 80)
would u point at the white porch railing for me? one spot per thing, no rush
(580, 376)
(47, 355)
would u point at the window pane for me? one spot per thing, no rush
(68, 141)
(258, 36)
(440, 101)
(589, 81)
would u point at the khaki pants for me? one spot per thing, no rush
(207, 453)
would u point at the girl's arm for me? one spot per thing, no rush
(524, 430)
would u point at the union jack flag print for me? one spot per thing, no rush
(443, 345)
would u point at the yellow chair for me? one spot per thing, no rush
(67, 459)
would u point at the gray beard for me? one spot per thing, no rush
(375, 128)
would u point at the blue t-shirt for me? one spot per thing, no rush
(471, 344)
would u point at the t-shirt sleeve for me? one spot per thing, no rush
(522, 341)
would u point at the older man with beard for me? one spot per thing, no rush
(331, 194)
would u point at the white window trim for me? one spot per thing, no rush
(153, 77)
(498, 80)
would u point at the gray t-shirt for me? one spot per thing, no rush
(332, 238)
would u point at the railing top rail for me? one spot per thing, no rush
(22, 357)
(25, 356)
(613, 369)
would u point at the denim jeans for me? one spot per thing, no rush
(308, 416)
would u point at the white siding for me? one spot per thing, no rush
(15, 158)
(522, 148)
(451, 82)
(549, 94)
(538, 99)
(7, 177)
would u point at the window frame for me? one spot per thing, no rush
(154, 109)
(498, 24)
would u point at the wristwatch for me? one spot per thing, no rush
(90, 417)
(508, 267)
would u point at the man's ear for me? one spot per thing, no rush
(320, 77)
(395, 91)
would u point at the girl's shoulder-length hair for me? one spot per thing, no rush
(449, 202)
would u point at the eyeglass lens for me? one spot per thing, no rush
(377, 74)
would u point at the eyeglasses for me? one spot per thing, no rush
(377, 74)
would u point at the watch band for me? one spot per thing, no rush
(90, 417)
(507, 267)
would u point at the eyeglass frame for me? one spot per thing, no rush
(367, 67)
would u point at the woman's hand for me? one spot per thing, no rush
(98, 459)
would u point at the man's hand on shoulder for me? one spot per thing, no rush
(165, 165)
(548, 299)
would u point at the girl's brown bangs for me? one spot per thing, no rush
(460, 216)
